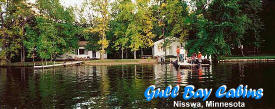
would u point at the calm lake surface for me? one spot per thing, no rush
(123, 86)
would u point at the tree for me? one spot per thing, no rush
(221, 22)
(140, 28)
(14, 17)
(122, 18)
(252, 9)
(54, 33)
(101, 23)
(85, 20)
(173, 20)
(31, 39)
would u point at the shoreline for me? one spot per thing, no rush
(141, 61)
(89, 62)
(120, 62)
(249, 59)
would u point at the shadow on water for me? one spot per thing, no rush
(124, 85)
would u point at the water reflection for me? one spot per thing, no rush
(167, 73)
(122, 86)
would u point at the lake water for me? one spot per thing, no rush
(124, 85)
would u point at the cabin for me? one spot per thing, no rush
(173, 43)
(83, 53)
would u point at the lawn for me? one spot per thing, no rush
(249, 57)
(120, 61)
(30, 64)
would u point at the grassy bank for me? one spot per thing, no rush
(30, 64)
(248, 58)
(88, 62)
(120, 61)
(251, 57)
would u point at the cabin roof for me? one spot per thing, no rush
(82, 43)
(171, 39)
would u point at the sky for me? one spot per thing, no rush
(66, 3)
(78, 3)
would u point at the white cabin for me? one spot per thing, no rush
(82, 53)
(158, 49)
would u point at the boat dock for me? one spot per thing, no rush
(188, 64)
(61, 64)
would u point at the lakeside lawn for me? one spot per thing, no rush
(89, 62)
(120, 61)
(248, 57)
(130, 61)
(30, 64)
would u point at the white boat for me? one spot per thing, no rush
(185, 64)
(189, 64)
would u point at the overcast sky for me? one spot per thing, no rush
(78, 3)
(67, 3)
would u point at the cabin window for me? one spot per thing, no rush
(81, 51)
(94, 54)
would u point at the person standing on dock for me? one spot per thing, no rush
(199, 58)
(181, 54)
(178, 52)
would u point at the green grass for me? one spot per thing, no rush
(29, 64)
(250, 57)
(105, 61)
(116, 60)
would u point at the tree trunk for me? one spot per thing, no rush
(33, 61)
(165, 53)
(126, 54)
(102, 48)
(102, 54)
(135, 54)
(23, 54)
(42, 62)
(242, 50)
(51, 58)
(122, 53)
(141, 50)
(3, 60)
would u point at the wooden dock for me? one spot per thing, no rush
(61, 64)
(188, 64)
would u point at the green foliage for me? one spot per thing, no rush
(14, 17)
(132, 25)
(140, 28)
(172, 20)
(123, 18)
(252, 9)
(31, 40)
(92, 41)
(101, 22)
(213, 27)
(53, 32)
(221, 22)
